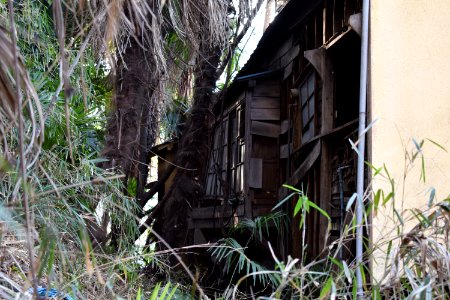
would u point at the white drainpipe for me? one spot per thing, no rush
(361, 146)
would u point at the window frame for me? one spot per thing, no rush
(308, 101)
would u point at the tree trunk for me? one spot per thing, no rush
(173, 218)
(132, 126)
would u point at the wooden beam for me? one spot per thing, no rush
(288, 70)
(157, 186)
(211, 212)
(306, 165)
(265, 114)
(267, 89)
(327, 74)
(325, 160)
(248, 154)
(324, 191)
(265, 102)
(316, 58)
(355, 22)
(265, 129)
(290, 55)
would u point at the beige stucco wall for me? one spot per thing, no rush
(410, 96)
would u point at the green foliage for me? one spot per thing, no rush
(261, 225)
(303, 204)
(233, 254)
(165, 293)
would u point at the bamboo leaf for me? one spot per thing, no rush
(298, 206)
(399, 217)
(326, 290)
(387, 198)
(350, 201)
(324, 213)
(292, 188)
(422, 173)
(418, 146)
(164, 292)
(432, 196)
(347, 272)
(282, 201)
(154, 295)
(376, 201)
(172, 292)
(139, 294)
(438, 145)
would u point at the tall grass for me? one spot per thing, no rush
(51, 187)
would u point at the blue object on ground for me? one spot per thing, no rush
(51, 293)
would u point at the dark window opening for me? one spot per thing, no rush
(346, 55)
(226, 163)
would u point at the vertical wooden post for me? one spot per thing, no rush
(248, 151)
(323, 64)
(325, 159)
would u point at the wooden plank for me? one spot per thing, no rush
(255, 175)
(211, 212)
(265, 129)
(263, 210)
(284, 126)
(269, 199)
(248, 154)
(316, 58)
(267, 89)
(290, 55)
(282, 50)
(265, 114)
(265, 102)
(325, 191)
(288, 70)
(327, 75)
(304, 167)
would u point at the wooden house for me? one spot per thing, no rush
(287, 119)
(289, 114)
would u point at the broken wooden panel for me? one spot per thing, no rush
(265, 129)
(256, 170)
(265, 102)
(267, 114)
